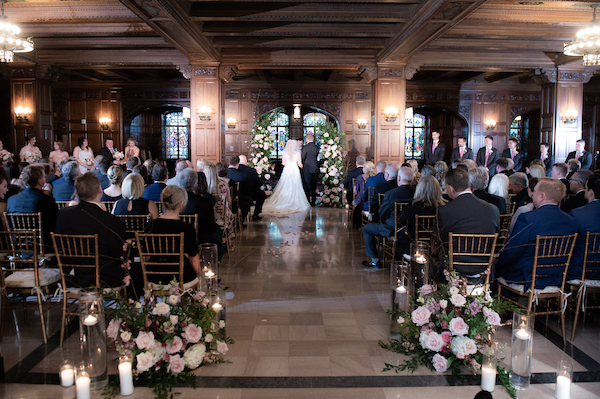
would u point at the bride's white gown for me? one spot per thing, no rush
(288, 196)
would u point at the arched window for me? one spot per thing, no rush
(311, 120)
(414, 137)
(280, 127)
(176, 136)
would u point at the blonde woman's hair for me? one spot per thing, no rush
(115, 175)
(172, 196)
(212, 179)
(133, 186)
(499, 186)
(429, 192)
(369, 169)
(537, 171)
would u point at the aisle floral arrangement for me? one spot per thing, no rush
(331, 142)
(166, 339)
(448, 330)
(262, 143)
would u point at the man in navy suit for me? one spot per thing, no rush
(512, 153)
(258, 195)
(310, 168)
(488, 155)
(245, 192)
(353, 174)
(64, 191)
(586, 218)
(403, 193)
(516, 260)
(102, 165)
(580, 154)
(434, 151)
(159, 175)
(391, 182)
(577, 186)
(546, 158)
(373, 181)
(461, 152)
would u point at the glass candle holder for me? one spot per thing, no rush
(218, 304)
(93, 336)
(209, 257)
(419, 262)
(488, 369)
(67, 374)
(521, 348)
(126, 374)
(83, 381)
(399, 284)
(564, 376)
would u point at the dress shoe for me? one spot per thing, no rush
(371, 264)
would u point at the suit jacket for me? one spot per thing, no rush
(64, 191)
(372, 181)
(105, 152)
(456, 154)
(576, 201)
(245, 192)
(309, 155)
(88, 218)
(521, 198)
(382, 189)
(398, 194)
(585, 159)
(491, 164)
(32, 200)
(153, 191)
(586, 219)
(495, 200)
(518, 160)
(548, 163)
(438, 154)
(352, 174)
(104, 182)
(253, 181)
(516, 260)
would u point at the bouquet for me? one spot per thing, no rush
(166, 339)
(118, 155)
(6, 155)
(448, 329)
(33, 158)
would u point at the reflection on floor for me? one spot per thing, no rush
(306, 317)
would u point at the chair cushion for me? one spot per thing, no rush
(105, 290)
(589, 283)
(26, 278)
(475, 290)
(520, 287)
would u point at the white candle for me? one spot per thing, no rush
(83, 387)
(217, 307)
(420, 259)
(522, 334)
(488, 378)
(401, 290)
(67, 377)
(126, 378)
(209, 274)
(563, 387)
(90, 320)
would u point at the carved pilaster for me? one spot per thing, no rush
(370, 74)
(409, 72)
(186, 71)
(587, 75)
(227, 73)
(48, 72)
(549, 75)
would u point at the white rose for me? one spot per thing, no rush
(193, 356)
(400, 320)
(443, 304)
(420, 315)
(144, 361)
(174, 320)
(221, 323)
(208, 338)
(173, 299)
(161, 308)
(431, 340)
(453, 291)
(458, 300)
(125, 336)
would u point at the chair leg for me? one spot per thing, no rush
(579, 295)
(64, 321)
(41, 308)
(562, 324)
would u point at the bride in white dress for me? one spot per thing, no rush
(288, 196)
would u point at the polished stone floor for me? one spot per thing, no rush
(306, 317)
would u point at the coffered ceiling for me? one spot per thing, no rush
(309, 40)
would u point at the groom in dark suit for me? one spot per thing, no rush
(310, 168)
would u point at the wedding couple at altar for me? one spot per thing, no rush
(295, 188)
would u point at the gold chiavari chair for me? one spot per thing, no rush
(390, 243)
(474, 254)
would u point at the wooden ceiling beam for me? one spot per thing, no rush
(498, 76)
(312, 29)
(297, 42)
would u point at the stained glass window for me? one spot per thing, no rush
(280, 127)
(515, 128)
(176, 136)
(311, 120)
(414, 137)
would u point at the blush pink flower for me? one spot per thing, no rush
(112, 331)
(192, 333)
(447, 337)
(426, 289)
(420, 315)
(222, 347)
(175, 346)
(458, 326)
(144, 361)
(440, 363)
(458, 300)
(176, 364)
(145, 340)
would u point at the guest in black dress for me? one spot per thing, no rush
(114, 192)
(132, 202)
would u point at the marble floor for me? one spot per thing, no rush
(306, 317)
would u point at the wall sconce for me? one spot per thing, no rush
(391, 114)
(568, 116)
(490, 124)
(21, 114)
(204, 113)
(231, 123)
(297, 113)
(104, 121)
(361, 123)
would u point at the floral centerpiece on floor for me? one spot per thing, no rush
(448, 330)
(332, 154)
(166, 339)
(262, 143)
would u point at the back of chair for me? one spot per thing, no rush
(26, 222)
(380, 199)
(159, 206)
(77, 251)
(161, 255)
(21, 245)
(398, 207)
(471, 252)
(552, 256)
(134, 223)
(190, 219)
(62, 204)
(424, 225)
(504, 228)
(370, 198)
(109, 205)
(591, 258)
(220, 206)
(512, 207)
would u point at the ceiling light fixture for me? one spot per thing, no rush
(586, 43)
(9, 42)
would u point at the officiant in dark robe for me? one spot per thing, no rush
(310, 168)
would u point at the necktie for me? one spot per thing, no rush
(461, 152)
(578, 155)
(112, 150)
(512, 154)
(542, 157)
(433, 148)
(487, 156)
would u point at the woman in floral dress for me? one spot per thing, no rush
(30, 153)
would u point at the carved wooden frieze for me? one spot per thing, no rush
(393, 73)
(205, 71)
(257, 95)
(576, 76)
(330, 96)
(409, 72)
(360, 96)
(230, 95)
(521, 109)
(465, 112)
(370, 73)
(489, 97)
(466, 97)
(478, 97)
(186, 71)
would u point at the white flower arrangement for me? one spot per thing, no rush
(334, 157)
(261, 144)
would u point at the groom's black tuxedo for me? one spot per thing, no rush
(310, 170)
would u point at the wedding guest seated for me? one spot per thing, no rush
(114, 192)
(586, 219)
(559, 172)
(101, 171)
(536, 171)
(525, 208)
(470, 163)
(159, 175)
(142, 171)
(353, 174)
(65, 190)
(574, 165)
(33, 200)
(258, 195)
(130, 163)
(440, 171)
(515, 263)
(245, 192)
(499, 185)
(427, 170)
(414, 164)
(517, 184)
(503, 166)
(132, 202)
(374, 181)
(360, 192)
(577, 186)
(3, 191)
(181, 165)
(89, 217)
(462, 166)
(478, 180)
(403, 193)
(391, 173)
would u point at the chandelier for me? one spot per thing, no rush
(9, 42)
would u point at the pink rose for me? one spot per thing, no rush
(470, 347)
(175, 346)
(458, 326)
(493, 318)
(431, 340)
(447, 337)
(458, 300)
(440, 363)
(176, 364)
(192, 333)
(112, 331)
(145, 340)
(420, 315)
(144, 361)
(222, 347)
(426, 289)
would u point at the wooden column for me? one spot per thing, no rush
(389, 91)
(205, 90)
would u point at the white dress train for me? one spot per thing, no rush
(288, 196)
